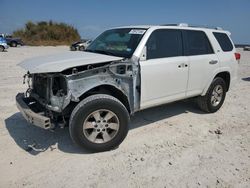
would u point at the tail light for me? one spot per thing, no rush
(237, 56)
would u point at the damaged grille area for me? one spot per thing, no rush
(41, 85)
(46, 87)
(59, 86)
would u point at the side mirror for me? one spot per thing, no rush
(144, 54)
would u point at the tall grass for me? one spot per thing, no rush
(47, 33)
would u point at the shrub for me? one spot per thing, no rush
(47, 33)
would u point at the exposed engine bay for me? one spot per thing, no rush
(56, 94)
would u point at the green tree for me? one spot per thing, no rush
(47, 33)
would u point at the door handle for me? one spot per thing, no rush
(212, 62)
(182, 65)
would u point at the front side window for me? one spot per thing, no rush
(198, 43)
(117, 42)
(164, 43)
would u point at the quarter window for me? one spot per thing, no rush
(224, 41)
(164, 43)
(198, 43)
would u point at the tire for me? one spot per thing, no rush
(87, 128)
(1, 49)
(214, 97)
(72, 48)
(81, 48)
(13, 44)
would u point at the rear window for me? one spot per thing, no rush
(198, 43)
(224, 41)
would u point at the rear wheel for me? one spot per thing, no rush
(214, 97)
(13, 44)
(99, 123)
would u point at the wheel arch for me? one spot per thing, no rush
(109, 90)
(226, 77)
(225, 74)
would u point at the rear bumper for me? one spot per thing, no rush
(24, 105)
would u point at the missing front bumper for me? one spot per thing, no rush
(24, 105)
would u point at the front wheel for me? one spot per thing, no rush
(72, 48)
(214, 97)
(1, 48)
(81, 48)
(99, 123)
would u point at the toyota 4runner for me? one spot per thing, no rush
(125, 70)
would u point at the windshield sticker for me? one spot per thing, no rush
(137, 31)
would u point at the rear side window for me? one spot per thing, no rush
(164, 43)
(224, 41)
(198, 43)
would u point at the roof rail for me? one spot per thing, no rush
(180, 24)
(186, 25)
(206, 26)
(169, 25)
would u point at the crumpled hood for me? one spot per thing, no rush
(63, 61)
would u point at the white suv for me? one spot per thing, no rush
(125, 70)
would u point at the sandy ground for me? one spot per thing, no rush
(175, 145)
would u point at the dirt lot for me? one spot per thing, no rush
(175, 145)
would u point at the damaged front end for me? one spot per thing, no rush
(45, 99)
(51, 97)
(50, 90)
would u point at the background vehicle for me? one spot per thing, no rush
(246, 48)
(81, 45)
(3, 44)
(13, 42)
(126, 70)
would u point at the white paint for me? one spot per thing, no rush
(63, 61)
(162, 80)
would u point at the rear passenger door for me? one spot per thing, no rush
(202, 60)
(164, 73)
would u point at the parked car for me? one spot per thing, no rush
(13, 42)
(125, 70)
(81, 45)
(246, 48)
(3, 44)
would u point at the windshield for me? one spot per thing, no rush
(117, 42)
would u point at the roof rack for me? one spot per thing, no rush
(180, 24)
(206, 26)
(186, 25)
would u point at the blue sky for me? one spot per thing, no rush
(91, 17)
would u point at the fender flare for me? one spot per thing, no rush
(209, 81)
(113, 88)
